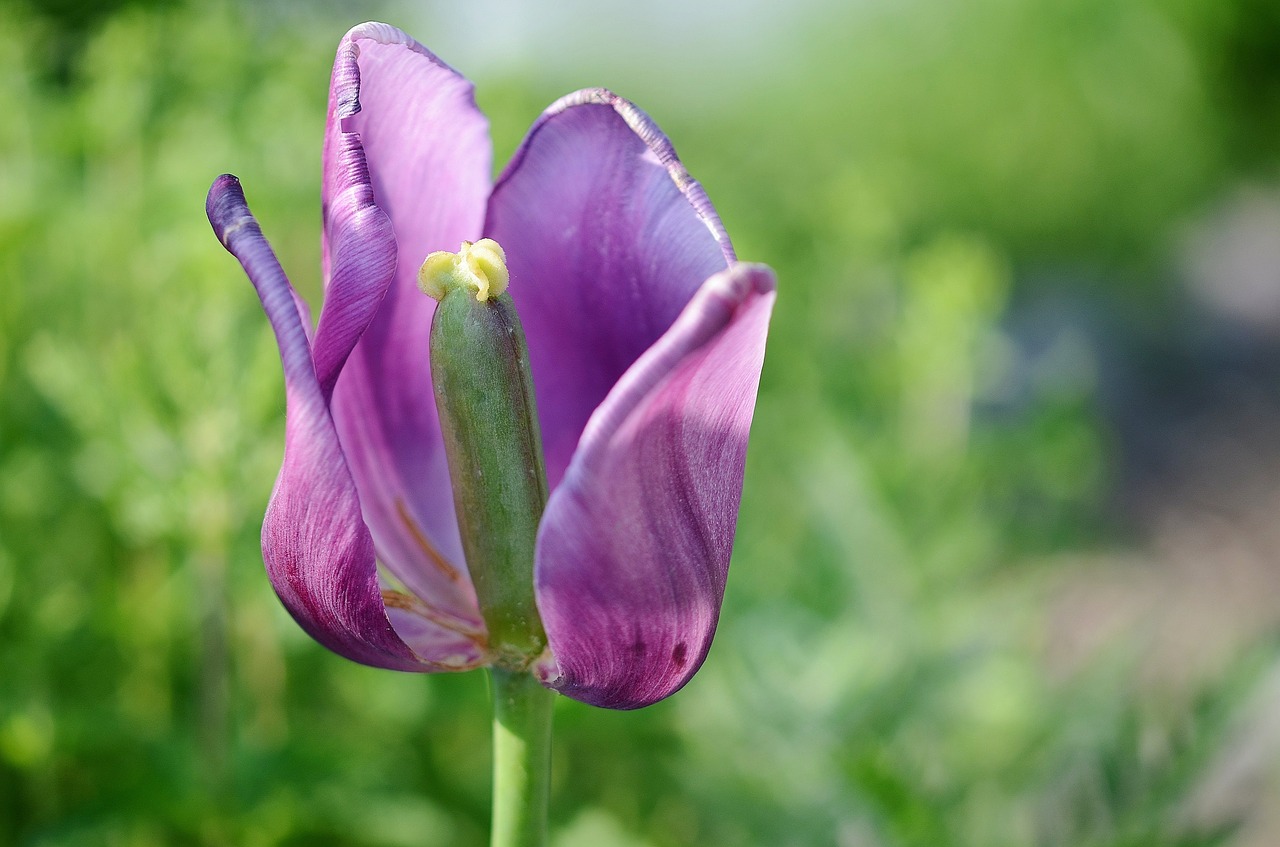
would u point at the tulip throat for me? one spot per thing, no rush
(480, 267)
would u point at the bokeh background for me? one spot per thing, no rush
(1008, 568)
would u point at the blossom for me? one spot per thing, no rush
(646, 340)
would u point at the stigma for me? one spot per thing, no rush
(480, 267)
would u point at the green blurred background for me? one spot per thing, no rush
(1008, 562)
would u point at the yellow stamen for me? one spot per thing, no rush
(481, 266)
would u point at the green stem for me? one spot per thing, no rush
(521, 759)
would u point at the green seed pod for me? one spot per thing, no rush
(484, 396)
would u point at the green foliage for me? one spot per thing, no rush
(881, 675)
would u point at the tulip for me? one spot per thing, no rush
(579, 540)
(645, 340)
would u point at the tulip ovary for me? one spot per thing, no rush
(489, 423)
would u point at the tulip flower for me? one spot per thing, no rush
(645, 340)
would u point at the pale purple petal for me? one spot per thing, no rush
(318, 552)
(633, 551)
(414, 122)
(607, 237)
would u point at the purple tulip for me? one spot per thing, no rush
(646, 339)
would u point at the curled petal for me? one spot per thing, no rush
(404, 134)
(634, 547)
(607, 237)
(359, 244)
(318, 551)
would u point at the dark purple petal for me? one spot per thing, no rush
(607, 237)
(403, 133)
(634, 547)
(318, 552)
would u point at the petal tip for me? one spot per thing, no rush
(226, 207)
(744, 279)
(648, 131)
(378, 31)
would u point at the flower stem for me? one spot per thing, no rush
(521, 759)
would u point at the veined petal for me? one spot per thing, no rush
(633, 551)
(607, 237)
(358, 241)
(404, 126)
(318, 551)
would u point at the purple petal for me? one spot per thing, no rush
(607, 237)
(359, 244)
(634, 547)
(404, 126)
(318, 552)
